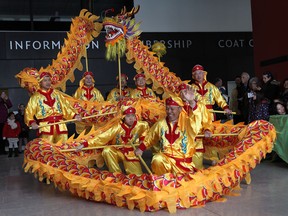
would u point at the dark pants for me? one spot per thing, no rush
(2, 142)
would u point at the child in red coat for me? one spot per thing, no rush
(11, 132)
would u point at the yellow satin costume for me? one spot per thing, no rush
(121, 134)
(88, 94)
(176, 142)
(206, 122)
(208, 94)
(143, 93)
(49, 107)
(113, 96)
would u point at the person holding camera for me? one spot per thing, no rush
(258, 104)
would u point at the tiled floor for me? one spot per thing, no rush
(21, 194)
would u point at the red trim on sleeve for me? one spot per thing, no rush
(32, 121)
(142, 147)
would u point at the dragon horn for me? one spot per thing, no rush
(133, 11)
(123, 11)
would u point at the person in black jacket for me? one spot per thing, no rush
(270, 89)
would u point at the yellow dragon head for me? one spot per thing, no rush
(118, 29)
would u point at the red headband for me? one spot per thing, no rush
(88, 73)
(138, 76)
(130, 110)
(44, 74)
(197, 67)
(171, 102)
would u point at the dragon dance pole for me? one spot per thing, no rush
(219, 111)
(96, 147)
(73, 120)
(230, 134)
(86, 59)
(119, 74)
(142, 161)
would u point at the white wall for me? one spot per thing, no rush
(194, 15)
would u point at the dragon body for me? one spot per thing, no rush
(69, 170)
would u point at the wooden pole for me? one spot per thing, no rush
(86, 59)
(96, 147)
(119, 75)
(142, 161)
(73, 120)
(202, 135)
(219, 111)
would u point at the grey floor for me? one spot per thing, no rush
(22, 194)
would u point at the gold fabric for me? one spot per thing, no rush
(113, 95)
(121, 134)
(48, 105)
(209, 94)
(113, 156)
(176, 142)
(88, 94)
(143, 93)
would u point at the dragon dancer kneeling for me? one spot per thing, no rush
(128, 131)
(176, 135)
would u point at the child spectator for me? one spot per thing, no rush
(11, 132)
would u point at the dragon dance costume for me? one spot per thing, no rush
(49, 107)
(121, 134)
(143, 93)
(87, 93)
(113, 96)
(177, 145)
(207, 94)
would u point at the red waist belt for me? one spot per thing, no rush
(51, 119)
(183, 160)
(209, 106)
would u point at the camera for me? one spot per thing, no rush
(250, 94)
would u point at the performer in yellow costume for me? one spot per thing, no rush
(114, 94)
(176, 134)
(48, 105)
(206, 126)
(208, 94)
(87, 92)
(127, 131)
(142, 91)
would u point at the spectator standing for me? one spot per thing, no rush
(5, 105)
(234, 101)
(258, 104)
(242, 97)
(283, 96)
(24, 134)
(270, 89)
